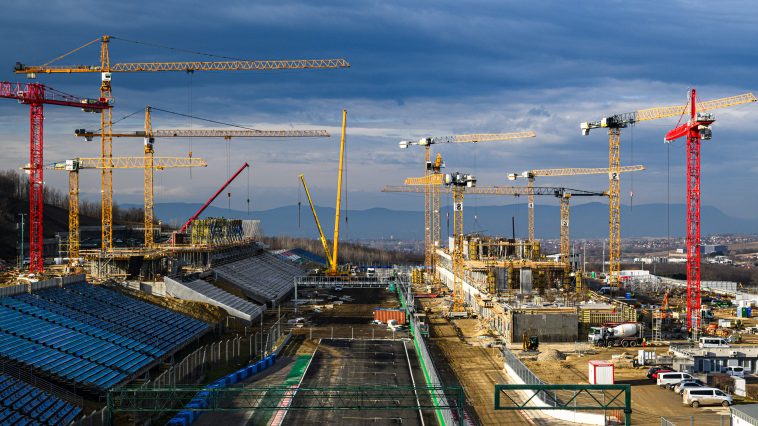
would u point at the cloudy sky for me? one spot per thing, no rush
(419, 68)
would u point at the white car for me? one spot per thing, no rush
(735, 371)
(672, 377)
(696, 397)
(688, 384)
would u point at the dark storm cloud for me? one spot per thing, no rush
(418, 68)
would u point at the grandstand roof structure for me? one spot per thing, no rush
(264, 277)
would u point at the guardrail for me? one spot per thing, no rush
(444, 416)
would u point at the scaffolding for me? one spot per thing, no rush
(216, 231)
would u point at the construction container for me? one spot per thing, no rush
(601, 373)
(385, 315)
(645, 357)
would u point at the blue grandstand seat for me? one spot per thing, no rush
(89, 335)
(24, 404)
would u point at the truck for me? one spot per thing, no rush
(624, 334)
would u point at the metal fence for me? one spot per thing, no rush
(39, 285)
(94, 418)
(14, 290)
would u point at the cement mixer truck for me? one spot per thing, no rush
(624, 334)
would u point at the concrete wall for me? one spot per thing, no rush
(549, 327)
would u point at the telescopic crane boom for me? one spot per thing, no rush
(208, 203)
(331, 255)
(324, 243)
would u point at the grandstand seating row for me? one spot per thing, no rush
(24, 404)
(89, 335)
(264, 277)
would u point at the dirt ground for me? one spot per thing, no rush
(649, 402)
(462, 357)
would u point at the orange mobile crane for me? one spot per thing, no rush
(106, 70)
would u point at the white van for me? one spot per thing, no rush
(713, 342)
(735, 371)
(696, 397)
(672, 377)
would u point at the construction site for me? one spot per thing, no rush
(203, 323)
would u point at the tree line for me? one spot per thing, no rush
(352, 253)
(14, 186)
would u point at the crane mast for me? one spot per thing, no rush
(106, 120)
(530, 175)
(36, 95)
(432, 193)
(73, 166)
(615, 123)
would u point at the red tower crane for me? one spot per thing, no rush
(36, 95)
(698, 127)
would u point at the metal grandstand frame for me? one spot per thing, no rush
(323, 281)
(130, 399)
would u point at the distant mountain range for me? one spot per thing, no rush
(587, 220)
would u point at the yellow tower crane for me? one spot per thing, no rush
(149, 135)
(417, 185)
(73, 167)
(574, 171)
(432, 195)
(615, 123)
(106, 70)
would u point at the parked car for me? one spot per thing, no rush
(671, 386)
(688, 384)
(696, 397)
(671, 377)
(654, 370)
(654, 376)
(735, 371)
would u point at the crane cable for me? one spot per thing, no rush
(189, 107)
(162, 46)
(631, 191)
